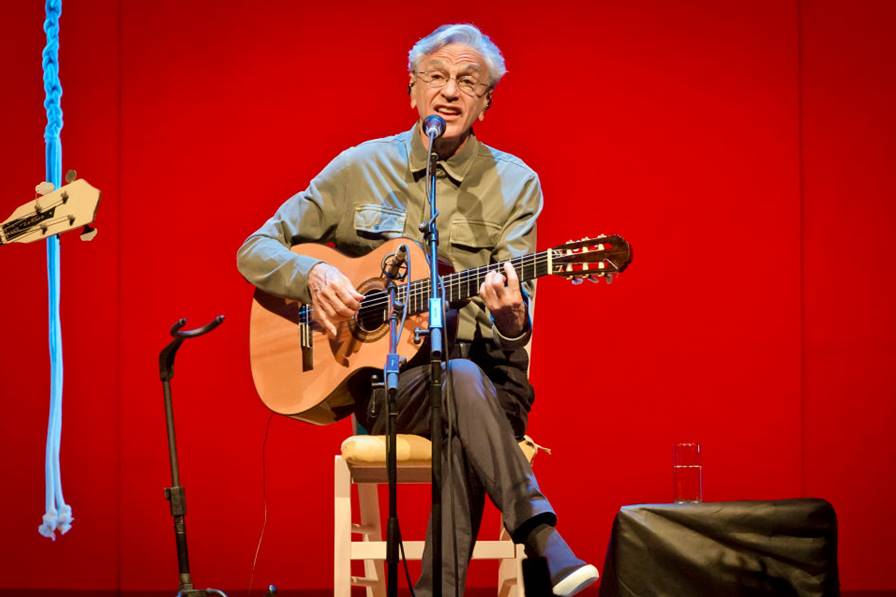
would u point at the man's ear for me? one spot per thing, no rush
(411, 91)
(488, 104)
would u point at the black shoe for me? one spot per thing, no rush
(581, 577)
(568, 574)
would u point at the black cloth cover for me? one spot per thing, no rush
(783, 547)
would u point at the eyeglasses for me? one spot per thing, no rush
(438, 79)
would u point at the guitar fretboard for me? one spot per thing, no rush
(457, 286)
(463, 285)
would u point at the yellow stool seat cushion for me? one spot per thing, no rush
(413, 450)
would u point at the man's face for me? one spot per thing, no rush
(460, 109)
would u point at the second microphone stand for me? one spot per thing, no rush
(390, 377)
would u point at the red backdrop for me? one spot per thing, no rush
(745, 149)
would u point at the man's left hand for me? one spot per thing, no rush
(504, 301)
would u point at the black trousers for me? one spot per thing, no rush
(484, 459)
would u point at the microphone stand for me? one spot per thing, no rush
(390, 375)
(436, 325)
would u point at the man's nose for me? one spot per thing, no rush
(450, 89)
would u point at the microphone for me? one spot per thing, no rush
(434, 126)
(396, 263)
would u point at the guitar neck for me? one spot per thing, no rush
(588, 258)
(463, 285)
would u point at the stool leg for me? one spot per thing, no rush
(342, 532)
(369, 503)
(510, 572)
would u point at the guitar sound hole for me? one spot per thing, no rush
(374, 311)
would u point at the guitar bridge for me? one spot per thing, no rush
(305, 342)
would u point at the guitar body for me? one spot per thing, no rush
(312, 385)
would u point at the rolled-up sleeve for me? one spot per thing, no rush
(518, 237)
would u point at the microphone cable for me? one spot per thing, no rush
(451, 411)
(264, 499)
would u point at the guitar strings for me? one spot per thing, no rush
(420, 288)
(373, 306)
(39, 209)
(16, 235)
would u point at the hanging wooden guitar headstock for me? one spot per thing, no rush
(53, 212)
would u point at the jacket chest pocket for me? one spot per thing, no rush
(374, 221)
(472, 241)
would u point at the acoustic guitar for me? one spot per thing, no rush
(302, 373)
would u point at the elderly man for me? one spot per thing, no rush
(488, 203)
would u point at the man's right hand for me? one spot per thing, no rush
(333, 297)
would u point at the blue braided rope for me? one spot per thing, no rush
(58, 513)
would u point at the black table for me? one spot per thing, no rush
(781, 547)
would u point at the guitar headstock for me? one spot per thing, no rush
(71, 206)
(591, 258)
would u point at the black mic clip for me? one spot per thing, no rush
(395, 266)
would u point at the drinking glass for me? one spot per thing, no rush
(687, 473)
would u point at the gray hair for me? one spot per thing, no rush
(466, 34)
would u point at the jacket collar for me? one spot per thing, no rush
(456, 167)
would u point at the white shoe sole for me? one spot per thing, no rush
(584, 577)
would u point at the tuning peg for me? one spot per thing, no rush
(88, 233)
(44, 188)
(71, 176)
(577, 280)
